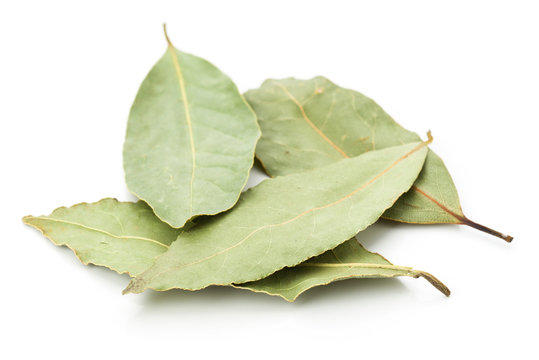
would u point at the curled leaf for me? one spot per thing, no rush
(346, 261)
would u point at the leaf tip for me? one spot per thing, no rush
(136, 286)
(27, 219)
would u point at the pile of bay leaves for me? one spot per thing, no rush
(337, 163)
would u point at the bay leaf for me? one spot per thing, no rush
(127, 237)
(346, 261)
(122, 236)
(190, 139)
(310, 123)
(285, 220)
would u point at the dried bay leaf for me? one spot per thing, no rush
(283, 221)
(310, 123)
(123, 236)
(346, 261)
(127, 237)
(190, 139)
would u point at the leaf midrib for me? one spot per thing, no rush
(363, 186)
(183, 92)
(345, 155)
(408, 270)
(104, 232)
(310, 123)
(360, 265)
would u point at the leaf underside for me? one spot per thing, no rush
(283, 221)
(346, 261)
(190, 139)
(310, 123)
(125, 237)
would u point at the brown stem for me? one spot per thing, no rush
(434, 281)
(466, 221)
(463, 219)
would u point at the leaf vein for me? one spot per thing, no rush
(187, 118)
(104, 232)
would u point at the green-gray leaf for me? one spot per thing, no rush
(123, 236)
(311, 123)
(346, 261)
(286, 220)
(190, 139)
(127, 237)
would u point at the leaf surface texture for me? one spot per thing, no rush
(311, 123)
(346, 261)
(190, 139)
(123, 236)
(283, 221)
(127, 237)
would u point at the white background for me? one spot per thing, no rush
(469, 71)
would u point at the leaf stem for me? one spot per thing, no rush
(463, 219)
(466, 221)
(429, 138)
(434, 281)
(166, 35)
